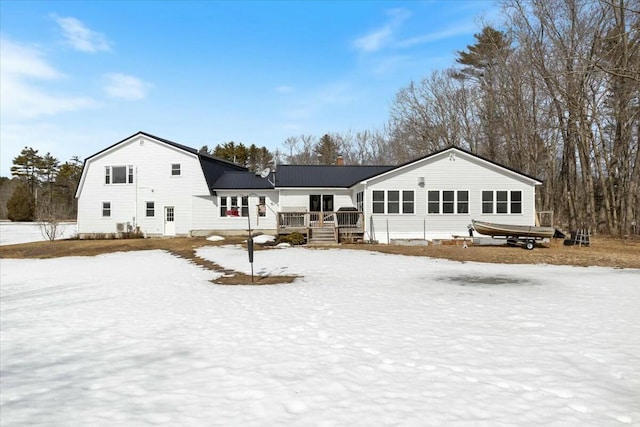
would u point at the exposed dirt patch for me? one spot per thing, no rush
(603, 251)
(181, 246)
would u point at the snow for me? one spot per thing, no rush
(24, 232)
(215, 238)
(263, 238)
(362, 338)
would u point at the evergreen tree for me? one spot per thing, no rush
(27, 167)
(21, 206)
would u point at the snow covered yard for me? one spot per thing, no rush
(25, 232)
(143, 338)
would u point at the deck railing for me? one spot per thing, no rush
(349, 221)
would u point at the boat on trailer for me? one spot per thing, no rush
(523, 234)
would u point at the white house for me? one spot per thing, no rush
(164, 188)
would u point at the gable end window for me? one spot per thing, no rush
(176, 169)
(118, 174)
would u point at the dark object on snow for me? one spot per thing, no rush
(579, 238)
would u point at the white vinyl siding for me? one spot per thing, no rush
(463, 176)
(147, 179)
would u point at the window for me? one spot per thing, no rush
(502, 204)
(448, 202)
(487, 202)
(151, 209)
(433, 202)
(106, 209)
(463, 202)
(229, 206)
(395, 201)
(223, 206)
(506, 202)
(516, 202)
(360, 201)
(408, 202)
(244, 207)
(262, 206)
(118, 174)
(378, 202)
(175, 169)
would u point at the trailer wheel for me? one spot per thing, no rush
(529, 245)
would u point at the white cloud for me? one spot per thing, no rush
(284, 89)
(23, 72)
(126, 87)
(80, 37)
(453, 31)
(381, 37)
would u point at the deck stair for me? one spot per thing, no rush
(323, 236)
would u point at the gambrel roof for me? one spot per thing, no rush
(212, 167)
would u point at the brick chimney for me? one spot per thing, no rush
(339, 161)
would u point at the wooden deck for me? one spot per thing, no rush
(328, 227)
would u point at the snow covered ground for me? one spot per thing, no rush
(363, 339)
(25, 232)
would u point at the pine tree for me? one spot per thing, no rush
(21, 205)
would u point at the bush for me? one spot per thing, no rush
(21, 206)
(294, 238)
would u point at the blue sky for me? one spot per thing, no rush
(80, 76)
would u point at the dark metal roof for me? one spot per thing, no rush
(236, 180)
(325, 175)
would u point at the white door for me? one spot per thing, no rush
(169, 221)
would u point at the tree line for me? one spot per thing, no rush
(554, 93)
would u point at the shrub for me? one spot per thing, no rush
(21, 206)
(294, 238)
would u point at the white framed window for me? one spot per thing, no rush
(176, 169)
(106, 209)
(118, 174)
(378, 202)
(448, 202)
(150, 210)
(360, 201)
(262, 206)
(234, 206)
(433, 202)
(393, 202)
(501, 202)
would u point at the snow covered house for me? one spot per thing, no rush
(164, 188)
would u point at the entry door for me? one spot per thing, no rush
(169, 221)
(321, 203)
